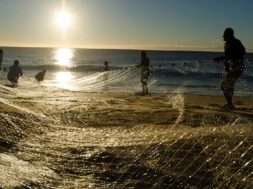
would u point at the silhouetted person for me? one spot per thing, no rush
(105, 76)
(106, 66)
(233, 63)
(40, 76)
(145, 72)
(14, 73)
(1, 59)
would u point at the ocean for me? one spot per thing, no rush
(82, 70)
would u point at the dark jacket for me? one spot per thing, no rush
(40, 76)
(234, 53)
(234, 50)
(14, 73)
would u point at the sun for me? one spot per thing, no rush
(63, 19)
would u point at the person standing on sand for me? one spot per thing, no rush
(14, 73)
(106, 68)
(233, 63)
(145, 72)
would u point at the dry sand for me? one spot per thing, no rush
(62, 139)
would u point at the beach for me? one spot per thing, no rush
(126, 94)
(62, 139)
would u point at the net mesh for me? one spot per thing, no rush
(53, 138)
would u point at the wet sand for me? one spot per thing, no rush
(61, 139)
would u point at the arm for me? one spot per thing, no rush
(21, 72)
(218, 59)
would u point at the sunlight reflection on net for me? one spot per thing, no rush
(64, 79)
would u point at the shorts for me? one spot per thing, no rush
(144, 74)
(231, 78)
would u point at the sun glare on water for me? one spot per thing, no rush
(63, 57)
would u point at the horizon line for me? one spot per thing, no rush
(122, 48)
(117, 48)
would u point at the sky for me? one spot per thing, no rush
(126, 24)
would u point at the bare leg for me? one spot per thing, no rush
(229, 96)
(228, 91)
(143, 89)
(147, 90)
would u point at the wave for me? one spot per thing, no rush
(128, 80)
(79, 68)
(165, 73)
(182, 68)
